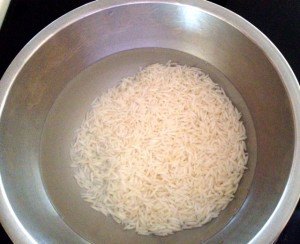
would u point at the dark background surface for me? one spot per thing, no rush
(277, 19)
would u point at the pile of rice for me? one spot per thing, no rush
(163, 151)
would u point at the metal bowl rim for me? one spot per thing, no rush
(288, 201)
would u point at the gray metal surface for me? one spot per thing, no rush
(49, 86)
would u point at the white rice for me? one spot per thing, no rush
(163, 151)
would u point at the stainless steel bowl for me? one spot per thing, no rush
(49, 86)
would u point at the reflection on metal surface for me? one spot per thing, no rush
(15, 222)
(3, 8)
(191, 17)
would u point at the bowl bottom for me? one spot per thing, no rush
(67, 114)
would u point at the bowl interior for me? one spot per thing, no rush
(76, 61)
(67, 114)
